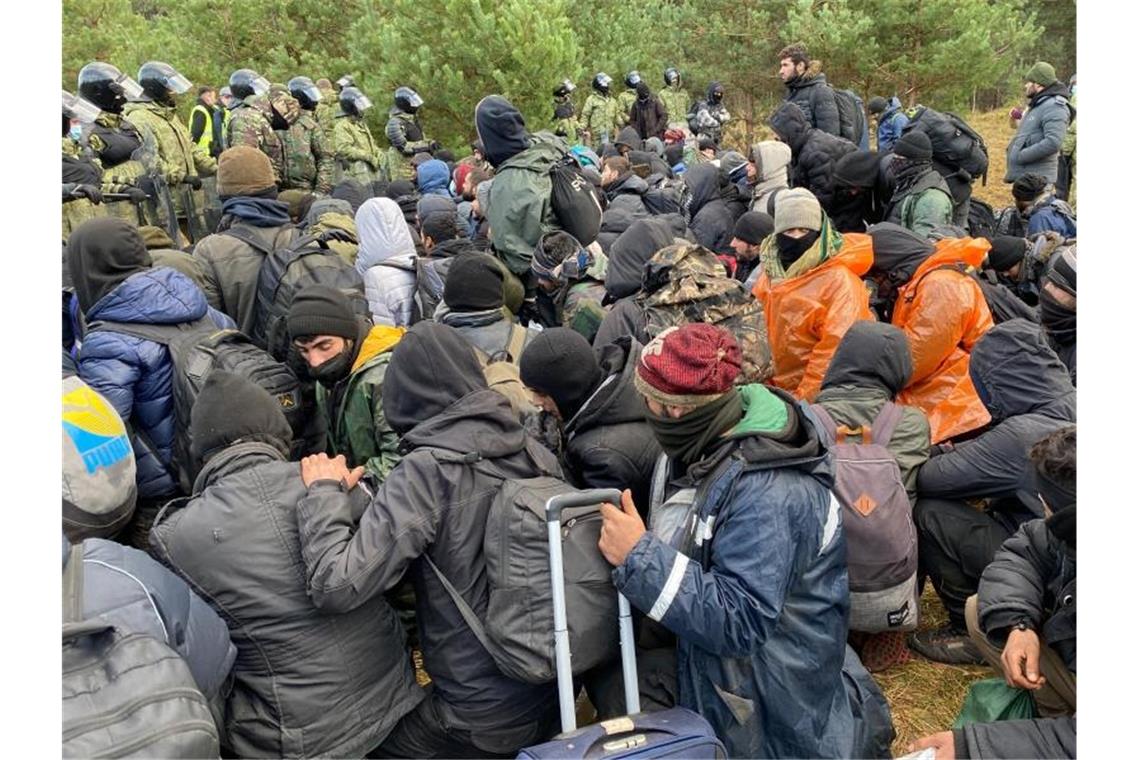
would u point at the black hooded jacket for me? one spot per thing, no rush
(647, 115)
(501, 129)
(624, 205)
(1028, 393)
(608, 442)
(628, 256)
(855, 203)
(814, 152)
(712, 208)
(101, 253)
(461, 440)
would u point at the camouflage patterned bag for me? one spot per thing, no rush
(685, 283)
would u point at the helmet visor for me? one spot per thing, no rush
(568, 85)
(178, 84)
(361, 103)
(635, 78)
(130, 89)
(260, 86)
(414, 100)
(605, 80)
(311, 92)
(345, 81)
(78, 108)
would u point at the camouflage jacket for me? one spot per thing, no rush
(685, 283)
(326, 110)
(599, 116)
(404, 133)
(169, 151)
(625, 101)
(308, 160)
(250, 124)
(121, 173)
(354, 150)
(676, 102)
(76, 211)
(565, 121)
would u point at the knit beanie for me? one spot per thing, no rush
(352, 191)
(321, 310)
(155, 237)
(691, 365)
(914, 145)
(1041, 73)
(243, 170)
(474, 283)
(797, 208)
(440, 226)
(753, 226)
(877, 104)
(561, 363)
(398, 188)
(1005, 251)
(1028, 186)
(298, 202)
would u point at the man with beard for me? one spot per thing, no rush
(348, 358)
(922, 199)
(1036, 146)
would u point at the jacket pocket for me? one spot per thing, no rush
(742, 709)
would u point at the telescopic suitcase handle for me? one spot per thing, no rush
(554, 507)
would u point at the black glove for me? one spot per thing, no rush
(336, 234)
(90, 192)
(433, 146)
(137, 195)
(146, 184)
(194, 182)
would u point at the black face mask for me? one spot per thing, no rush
(1059, 321)
(332, 371)
(790, 249)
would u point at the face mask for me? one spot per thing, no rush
(1059, 322)
(76, 132)
(333, 370)
(790, 249)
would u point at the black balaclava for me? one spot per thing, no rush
(101, 254)
(561, 363)
(789, 249)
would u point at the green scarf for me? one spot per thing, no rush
(685, 439)
(826, 246)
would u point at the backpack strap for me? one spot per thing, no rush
(250, 239)
(830, 428)
(883, 428)
(468, 614)
(164, 334)
(73, 585)
(512, 349)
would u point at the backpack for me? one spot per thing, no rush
(665, 197)
(574, 200)
(981, 221)
(517, 628)
(852, 119)
(501, 371)
(954, 143)
(1010, 222)
(882, 546)
(429, 287)
(126, 694)
(284, 272)
(197, 349)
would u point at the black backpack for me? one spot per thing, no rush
(852, 120)
(981, 221)
(665, 197)
(574, 200)
(284, 272)
(197, 349)
(429, 286)
(954, 143)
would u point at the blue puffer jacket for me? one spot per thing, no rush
(757, 592)
(891, 123)
(134, 374)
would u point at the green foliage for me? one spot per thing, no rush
(946, 53)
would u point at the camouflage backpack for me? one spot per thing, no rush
(685, 283)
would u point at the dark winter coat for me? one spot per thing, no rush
(625, 205)
(633, 248)
(815, 98)
(855, 203)
(1039, 737)
(306, 683)
(712, 208)
(756, 589)
(1050, 214)
(460, 440)
(814, 152)
(135, 375)
(648, 116)
(1027, 391)
(608, 442)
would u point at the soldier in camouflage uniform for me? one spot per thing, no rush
(405, 134)
(168, 154)
(327, 106)
(571, 279)
(565, 120)
(251, 120)
(599, 115)
(675, 99)
(355, 152)
(627, 98)
(686, 283)
(112, 140)
(308, 160)
(82, 196)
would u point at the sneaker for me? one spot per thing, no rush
(884, 650)
(946, 645)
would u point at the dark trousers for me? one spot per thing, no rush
(955, 543)
(1066, 168)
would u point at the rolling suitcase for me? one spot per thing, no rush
(677, 733)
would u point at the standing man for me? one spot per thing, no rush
(251, 120)
(405, 134)
(1036, 146)
(565, 120)
(308, 159)
(353, 148)
(112, 139)
(808, 88)
(598, 115)
(627, 97)
(891, 120)
(674, 98)
(201, 124)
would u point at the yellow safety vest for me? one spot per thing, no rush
(207, 133)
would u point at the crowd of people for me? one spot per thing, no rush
(303, 372)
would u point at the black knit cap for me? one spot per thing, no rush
(561, 363)
(321, 310)
(1006, 251)
(915, 146)
(474, 283)
(230, 408)
(877, 104)
(1028, 186)
(753, 226)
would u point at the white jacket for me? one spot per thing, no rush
(386, 261)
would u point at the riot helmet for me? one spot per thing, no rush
(564, 88)
(306, 93)
(75, 107)
(345, 81)
(408, 100)
(161, 82)
(246, 82)
(672, 76)
(602, 82)
(107, 87)
(632, 79)
(354, 102)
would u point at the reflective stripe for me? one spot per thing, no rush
(672, 585)
(831, 527)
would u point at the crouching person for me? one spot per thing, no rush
(306, 683)
(754, 585)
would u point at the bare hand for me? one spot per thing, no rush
(320, 467)
(621, 529)
(942, 743)
(1020, 660)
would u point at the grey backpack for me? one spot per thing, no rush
(882, 546)
(518, 626)
(124, 693)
